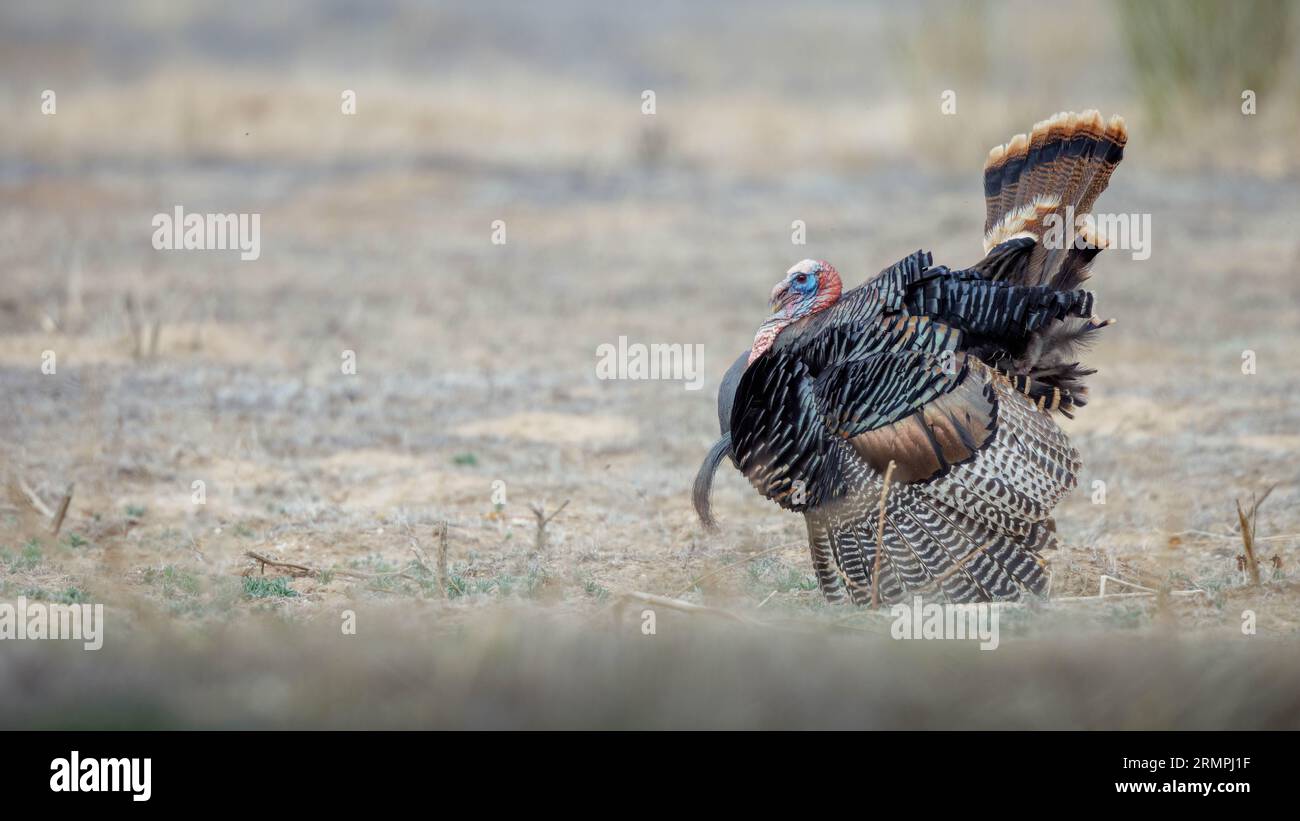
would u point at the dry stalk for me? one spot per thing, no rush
(1248, 522)
(686, 607)
(145, 330)
(443, 579)
(34, 500)
(307, 570)
(62, 511)
(294, 569)
(539, 512)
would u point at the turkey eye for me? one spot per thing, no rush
(801, 279)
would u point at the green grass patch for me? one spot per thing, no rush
(264, 587)
(173, 581)
(25, 559)
(69, 595)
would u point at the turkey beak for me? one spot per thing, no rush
(766, 335)
(780, 310)
(779, 296)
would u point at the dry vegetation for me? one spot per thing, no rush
(373, 492)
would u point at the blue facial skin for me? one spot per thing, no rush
(805, 285)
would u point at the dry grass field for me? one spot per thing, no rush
(475, 364)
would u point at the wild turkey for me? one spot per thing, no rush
(952, 375)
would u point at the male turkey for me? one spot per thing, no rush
(951, 375)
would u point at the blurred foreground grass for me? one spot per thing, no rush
(528, 667)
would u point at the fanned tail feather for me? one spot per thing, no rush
(1060, 167)
(1033, 186)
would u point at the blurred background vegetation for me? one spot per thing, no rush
(1177, 69)
(755, 87)
(1193, 56)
